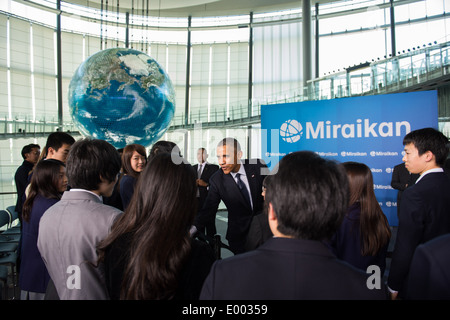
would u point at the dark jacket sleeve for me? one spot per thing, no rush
(409, 235)
(209, 210)
(396, 182)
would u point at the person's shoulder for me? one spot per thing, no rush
(254, 161)
(430, 181)
(107, 209)
(127, 178)
(256, 166)
(216, 175)
(212, 166)
(43, 201)
(439, 243)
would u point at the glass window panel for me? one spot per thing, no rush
(424, 33)
(65, 93)
(72, 52)
(176, 67)
(43, 50)
(3, 93)
(20, 44)
(158, 51)
(219, 64)
(219, 102)
(3, 40)
(335, 53)
(20, 94)
(434, 7)
(200, 55)
(239, 63)
(45, 96)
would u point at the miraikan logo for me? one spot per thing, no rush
(291, 131)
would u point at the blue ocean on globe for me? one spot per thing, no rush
(122, 96)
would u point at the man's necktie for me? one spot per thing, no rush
(243, 188)
(199, 175)
(199, 172)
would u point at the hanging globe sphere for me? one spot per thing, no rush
(122, 96)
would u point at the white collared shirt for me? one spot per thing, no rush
(244, 180)
(429, 171)
(84, 190)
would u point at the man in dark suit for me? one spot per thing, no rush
(402, 179)
(424, 213)
(238, 184)
(429, 276)
(30, 154)
(204, 172)
(306, 201)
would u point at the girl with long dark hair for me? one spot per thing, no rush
(149, 253)
(364, 235)
(134, 160)
(47, 184)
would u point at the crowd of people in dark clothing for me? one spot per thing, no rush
(100, 223)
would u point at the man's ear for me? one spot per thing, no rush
(429, 156)
(271, 213)
(273, 220)
(50, 151)
(239, 154)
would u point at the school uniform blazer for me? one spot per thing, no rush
(69, 233)
(286, 269)
(223, 187)
(429, 276)
(33, 274)
(424, 215)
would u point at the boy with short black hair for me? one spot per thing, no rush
(57, 146)
(425, 210)
(70, 230)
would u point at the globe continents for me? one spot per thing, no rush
(291, 131)
(122, 96)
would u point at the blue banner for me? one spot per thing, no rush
(367, 129)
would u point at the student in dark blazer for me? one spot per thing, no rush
(48, 183)
(402, 179)
(238, 184)
(429, 276)
(306, 202)
(204, 171)
(425, 209)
